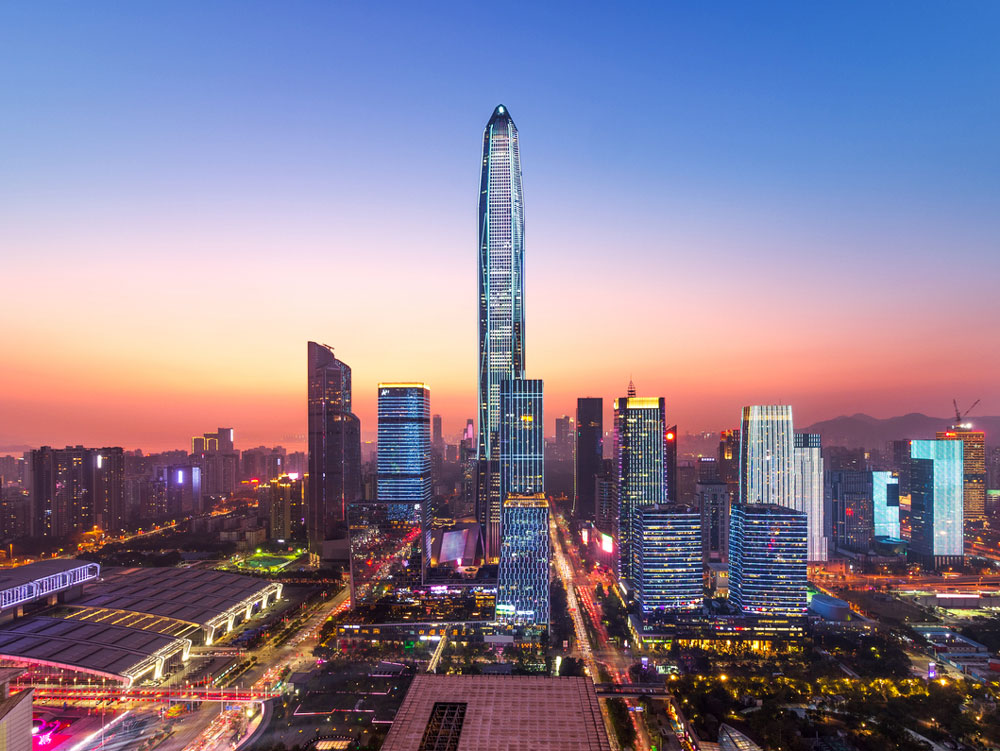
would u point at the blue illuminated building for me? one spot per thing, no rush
(523, 588)
(404, 443)
(936, 503)
(768, 548)
(885, 499)
(522, 438)
(667, 559)
(640, 443)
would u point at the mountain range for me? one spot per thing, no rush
(865, 431)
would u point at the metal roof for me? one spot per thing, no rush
(104, 649)
(15, 577)
(195, 595)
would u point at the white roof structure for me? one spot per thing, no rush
(115, 652)
(35, 581)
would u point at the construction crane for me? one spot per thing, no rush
(960, 415)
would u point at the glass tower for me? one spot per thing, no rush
(334, 446)
(522, 439)
(523, 589)
(766, 455)
(667, 559)
(501, 305)
(974, 461)
(808, 495)
(936, 502)
(589, 455)
(767, 560)
(404, 443)
(885, 500)
(640, 447)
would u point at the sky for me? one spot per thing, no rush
(729, 203)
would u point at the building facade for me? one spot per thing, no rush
(808, 493)
(522, 437)
(523, 588)
(74, 489)
(937, 503)
(974, 468)
(767, 447)
(714, 499)
(640, 442)
(589, 455)
(667, 559)
(334, 446)
(852, 501)
(768, 551)
(501, 305)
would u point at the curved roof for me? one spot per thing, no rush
(195, 595)
(101, 649)
(731, 739)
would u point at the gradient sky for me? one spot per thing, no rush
(732, 203)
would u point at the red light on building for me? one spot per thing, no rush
(670, 436)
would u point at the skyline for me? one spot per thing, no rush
(182, 225)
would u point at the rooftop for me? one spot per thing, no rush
(498, 713)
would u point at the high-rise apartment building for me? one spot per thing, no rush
(589, 455)
(640, 448)
(729, 456)
(284, 495)
(523, 587)
(334, 446)
(768, 548)
(767, 455)
(937, 503)
(974, 467)
(564, 438)
(501, 305)
(437, 433)
(75, 488)
(667, 559)
(216, 454)
(808, 493)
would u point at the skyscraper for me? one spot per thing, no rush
(713, 499)
(768, 574)
(404, 443)
(523, 587)
(667, 559)
(334, 446)
(640, 448)
(885, 502)
(501, 305)
(672, 481)
(936, 503)
(766, 455)
(75, 488)
(589, 455)
(808, 492)
(852, 501)
(522, 438)
(437, 437)
(974, 467)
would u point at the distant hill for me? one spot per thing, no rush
(862, 430)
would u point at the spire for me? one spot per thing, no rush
(631, 387)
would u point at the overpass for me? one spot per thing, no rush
(629, 690)
(178, 693)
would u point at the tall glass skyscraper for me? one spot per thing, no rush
(522, 438)
(523, 588)
(885, 503)
(501, 305)
(667, 559)
(640, 448)
(334, 446)
(404, 443)
(767, 560)
(808, 495)
(766, 455)
(936, 503)
(589, 455)
(974, 460)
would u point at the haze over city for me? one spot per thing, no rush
(191, 192)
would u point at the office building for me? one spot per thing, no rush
(768, 550)
(437, 434)
(501, 305)
(640, 448)
(767, 455)
(667, 559)
(606, 500)
(885, 504)
(564, 438)
(852, 502)
(808, 493)
(589, 455)
(523, 588)
(672, 481)
(729, 456)
(713, 500)
(937, 503)
(522, 438)
(284, 495)
(974, 467)
(334, 446)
